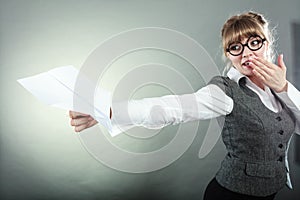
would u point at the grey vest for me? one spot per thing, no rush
(256, 140)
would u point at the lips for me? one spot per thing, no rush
(246, 63)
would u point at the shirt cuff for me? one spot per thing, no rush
(291, 97)
(102, 109)
(122, 116)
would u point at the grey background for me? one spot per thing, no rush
(296, 48)
(42, 158)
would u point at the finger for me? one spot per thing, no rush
(85, 126)
(261, 74)
(273, 68)
(261, 67)
(263, 62)
(80, 128)
(92, 123)
(74, 114)
(79, 121)
(78, 114)
(280, 61)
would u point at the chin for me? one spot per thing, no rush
(247, 72)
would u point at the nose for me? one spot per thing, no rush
(247, 52)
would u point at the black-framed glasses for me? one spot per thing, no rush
(254, 43)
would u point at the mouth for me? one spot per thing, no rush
(246, 63)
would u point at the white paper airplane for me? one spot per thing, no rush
(57, 88)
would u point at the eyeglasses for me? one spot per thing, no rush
(253, 43)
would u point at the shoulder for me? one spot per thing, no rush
(222, 82)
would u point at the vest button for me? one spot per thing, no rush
(280, 146)
(281, 132)
(280, 159)
(278, 118)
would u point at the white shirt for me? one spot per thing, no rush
(208, 102)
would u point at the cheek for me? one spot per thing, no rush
(262, 53)
(235, 59)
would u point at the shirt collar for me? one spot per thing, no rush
(235, 75)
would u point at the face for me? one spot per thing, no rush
(242, 61)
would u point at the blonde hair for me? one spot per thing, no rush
(245, 25)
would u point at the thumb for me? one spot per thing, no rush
(280, 61)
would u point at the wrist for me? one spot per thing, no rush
(283, 88)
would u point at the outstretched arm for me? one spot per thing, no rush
(208, 102)
(155, 113)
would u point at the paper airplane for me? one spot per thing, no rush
(57, 88)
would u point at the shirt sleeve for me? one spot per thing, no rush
(292, 99)
(155, 113)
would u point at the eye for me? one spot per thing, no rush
(255, 42)
(235, 47)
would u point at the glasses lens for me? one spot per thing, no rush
(255, 43)
(235, 48)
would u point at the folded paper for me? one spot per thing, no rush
(58, 88)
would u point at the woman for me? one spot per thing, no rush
(261, 110)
